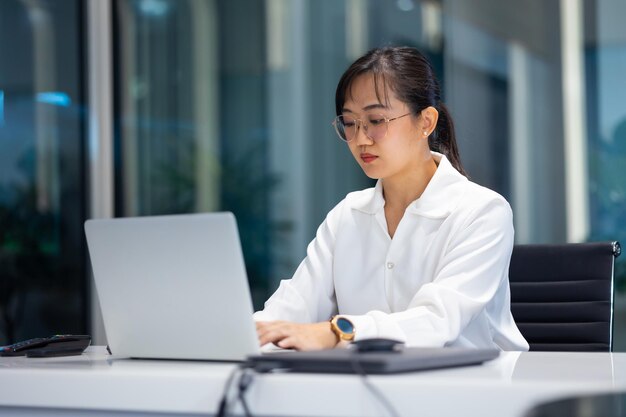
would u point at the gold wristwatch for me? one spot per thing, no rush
(342, 327)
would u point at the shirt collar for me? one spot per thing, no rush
(440, 197)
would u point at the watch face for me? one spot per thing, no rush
(345, 325)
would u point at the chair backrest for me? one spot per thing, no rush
(562, 295)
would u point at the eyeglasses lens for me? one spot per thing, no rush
(375, 126)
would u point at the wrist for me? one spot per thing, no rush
(342, 328)
(332, 335)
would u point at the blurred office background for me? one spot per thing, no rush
(143, 107)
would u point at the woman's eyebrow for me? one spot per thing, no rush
(375, 106)
(368, 107)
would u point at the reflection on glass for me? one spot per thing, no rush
(42, 271)
(1, 108)
(605, 59)
(192, 136)
(226, 105)
(606, 63)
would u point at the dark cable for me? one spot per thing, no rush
(244, 382)
(223, 407)
(358, 369)
(247, 377)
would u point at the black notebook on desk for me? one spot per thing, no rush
(352, 361)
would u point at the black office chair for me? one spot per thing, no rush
(562, 295)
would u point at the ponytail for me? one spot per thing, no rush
(409, 75)
(443, 138)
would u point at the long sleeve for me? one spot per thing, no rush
(442, 280)
(309, 295)
(470, 273)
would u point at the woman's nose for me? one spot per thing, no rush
(361, 137)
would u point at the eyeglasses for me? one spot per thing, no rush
(374, 126)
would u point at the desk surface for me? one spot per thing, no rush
(507, 386)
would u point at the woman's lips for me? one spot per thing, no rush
(368, 157)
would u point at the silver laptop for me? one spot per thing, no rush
(173, 287)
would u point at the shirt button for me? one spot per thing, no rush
(390, 265)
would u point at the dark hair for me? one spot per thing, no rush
(409, 75)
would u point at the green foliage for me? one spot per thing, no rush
(28, 248)
(244, 189)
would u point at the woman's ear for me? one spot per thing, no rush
(429, 118)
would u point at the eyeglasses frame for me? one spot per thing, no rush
(361, 123)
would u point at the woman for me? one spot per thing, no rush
(423, 257)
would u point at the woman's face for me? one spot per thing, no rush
(403, 150)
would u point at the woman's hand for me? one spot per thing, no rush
(288, 335)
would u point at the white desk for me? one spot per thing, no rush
(96, 384)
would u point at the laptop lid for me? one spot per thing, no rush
(352, 361)
(173, 286)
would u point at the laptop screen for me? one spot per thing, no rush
(173, 286)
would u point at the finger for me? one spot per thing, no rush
(260, 325)
(299, 342)
(263, 327)
(269, 327)
(290, 342)
(269, 338)
(274, 335)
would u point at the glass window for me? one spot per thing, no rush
(226, 105)
(42, 268)
(605, 66)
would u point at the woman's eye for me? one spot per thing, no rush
(377, 121)
(348, 123)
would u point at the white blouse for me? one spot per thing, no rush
(441, 281)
